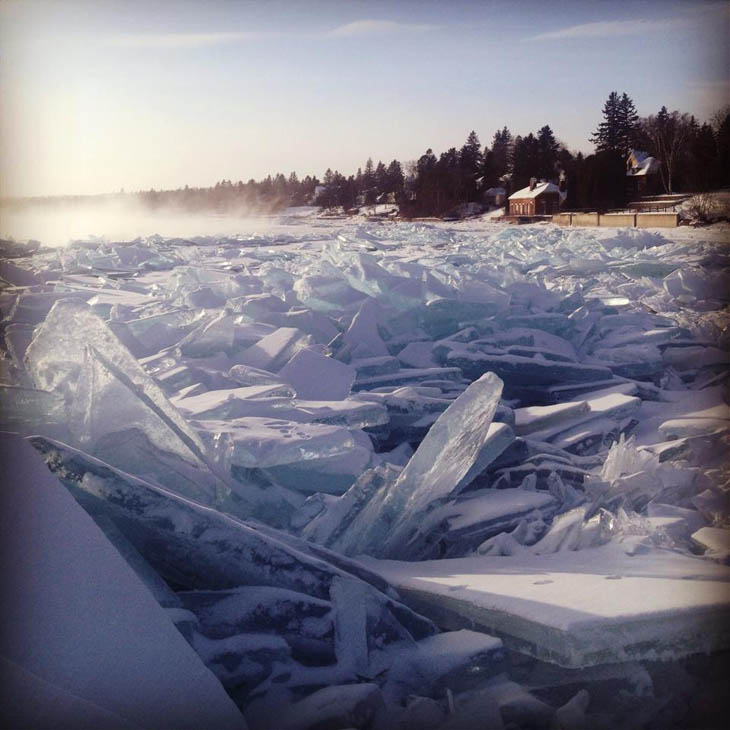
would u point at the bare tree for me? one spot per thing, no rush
(668, 133)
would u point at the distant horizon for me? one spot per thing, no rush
(100, 98)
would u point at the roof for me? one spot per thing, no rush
(543, 187)
(647, 166)
(496, 191)
(638, 155)
(639, 164)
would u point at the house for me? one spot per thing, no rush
(319, 191)
(495, 197)
(538, 198)
(642, 174)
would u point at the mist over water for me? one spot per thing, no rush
(56, 224)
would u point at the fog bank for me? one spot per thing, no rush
(57, 224)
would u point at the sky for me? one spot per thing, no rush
(102, 96)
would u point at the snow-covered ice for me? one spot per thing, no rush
(317, 446)
(579, 608)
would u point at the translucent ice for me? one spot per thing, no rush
(236, 404)
(362, 336)
(211, 337)
(197, 547)
(631, 361)
(577, 608)
(333, 517)
(328, 474)
(455, 449)
(316, 377)
(76, 355)
(275, 350)
(624, 458)
(265, 442)
(247, 375)
(455, 659)
(518, 370)
(30, 410)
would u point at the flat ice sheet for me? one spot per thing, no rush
(80, 629)
(594, 606)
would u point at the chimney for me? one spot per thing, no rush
(533, 182)
(562, 182)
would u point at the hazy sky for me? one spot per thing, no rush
(98, 96)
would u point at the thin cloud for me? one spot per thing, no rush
(182, 40)
(610, 29)
(197, 40)
(376, 27)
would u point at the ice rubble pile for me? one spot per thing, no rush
(403, 391)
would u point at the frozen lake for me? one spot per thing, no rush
(354, 463)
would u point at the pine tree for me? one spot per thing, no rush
(449, 184)
(395, 179)
(627, 124)
(722, 169)
(470, 166)
(526, 160)
(381, 178)
(425, 183)
(614, 138)
(547, 153)
(703, 154)
(368, 176)
(498, 160)
(607, 137)
(503, 149)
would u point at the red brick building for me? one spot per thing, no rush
(538, 198)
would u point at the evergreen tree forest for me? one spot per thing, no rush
(693, 157)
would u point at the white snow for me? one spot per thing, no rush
(543, 187)
(579, 608)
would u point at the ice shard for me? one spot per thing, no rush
(264, 442)
(519, 370)
(85, 641)
(76, 355)
(461, 525)
(362, 336)
(275, 350)
(455, 449)
(198, 548)
(317, 377)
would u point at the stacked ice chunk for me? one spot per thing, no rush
(240, 413)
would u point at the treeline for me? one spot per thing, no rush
(373, 184)
(368, 187)
(693, 157)
(269, 195)
(438, 186)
